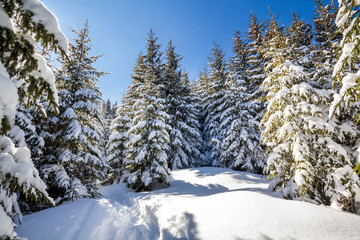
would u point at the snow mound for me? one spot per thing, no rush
(201, 203)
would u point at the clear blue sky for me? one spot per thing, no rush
(119, 28)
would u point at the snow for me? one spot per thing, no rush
(201, 203)
(5, 20)
(8, 96)
(42, 15)
(44, 71)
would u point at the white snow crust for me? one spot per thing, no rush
(202, 203)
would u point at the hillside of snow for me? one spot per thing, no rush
(201, 203)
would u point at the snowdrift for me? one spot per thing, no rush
(201, 203)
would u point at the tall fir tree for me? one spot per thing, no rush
(240, 148)
(73, 162)
(255, 70)
(213, 103)
(346, 70)
(186, 142)
(117, 146)
(306, 157)
(327, 41)
(108, 116)
(136, 87)
(146, 158)
(24, 78)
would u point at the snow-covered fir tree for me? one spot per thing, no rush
(28, 121)
(146, 158)
(346, 104)
(240, 148)
(306, 158)
(73, 161)
(186, 144)
(214, 103)
(136, 87)
(254, 72)
(24, 78)
(346, 69)
(31, 120)
(119, 139)
(108, 115)
(117, 146)
(327, 41)
(255, 69)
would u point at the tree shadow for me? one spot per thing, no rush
(243, 176)
(202, 172)
(185, 228)
(186, 188)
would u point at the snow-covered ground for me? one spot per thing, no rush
(201, 203)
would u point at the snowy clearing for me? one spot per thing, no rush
(201, 203)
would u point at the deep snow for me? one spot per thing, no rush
(201, 203)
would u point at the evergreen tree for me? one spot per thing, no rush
(213, 103)
(240, 148)
(136, 87)
(117, 146)
(107, 116)
(254, 70)
(186, 143)
(24, 78)
(73, 162)
(346, 69)
(306, 158)
(327, 41)
(147, 149)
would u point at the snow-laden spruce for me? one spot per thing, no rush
(214, 103)
(117, 147)
(147, 157)
(186, 144)
(108, 112)
(21, 22)
(255, 66)
(347, 71)
(306, 159)
(73, 162)
(327, 41)
(239, 125)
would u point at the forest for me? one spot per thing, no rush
(284, 105)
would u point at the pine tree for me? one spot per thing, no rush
(107, 116)
(31, 120)
(306, 158)
(117, 149)
(136, 87)
(24, 78)
(240, 148)
(186, 142)
(73, 162)
(327, 41)
(346, 69)
(147, 149)
(117, 146)
(213, 103)
(255, 70)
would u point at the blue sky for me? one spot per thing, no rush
(119, 28)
